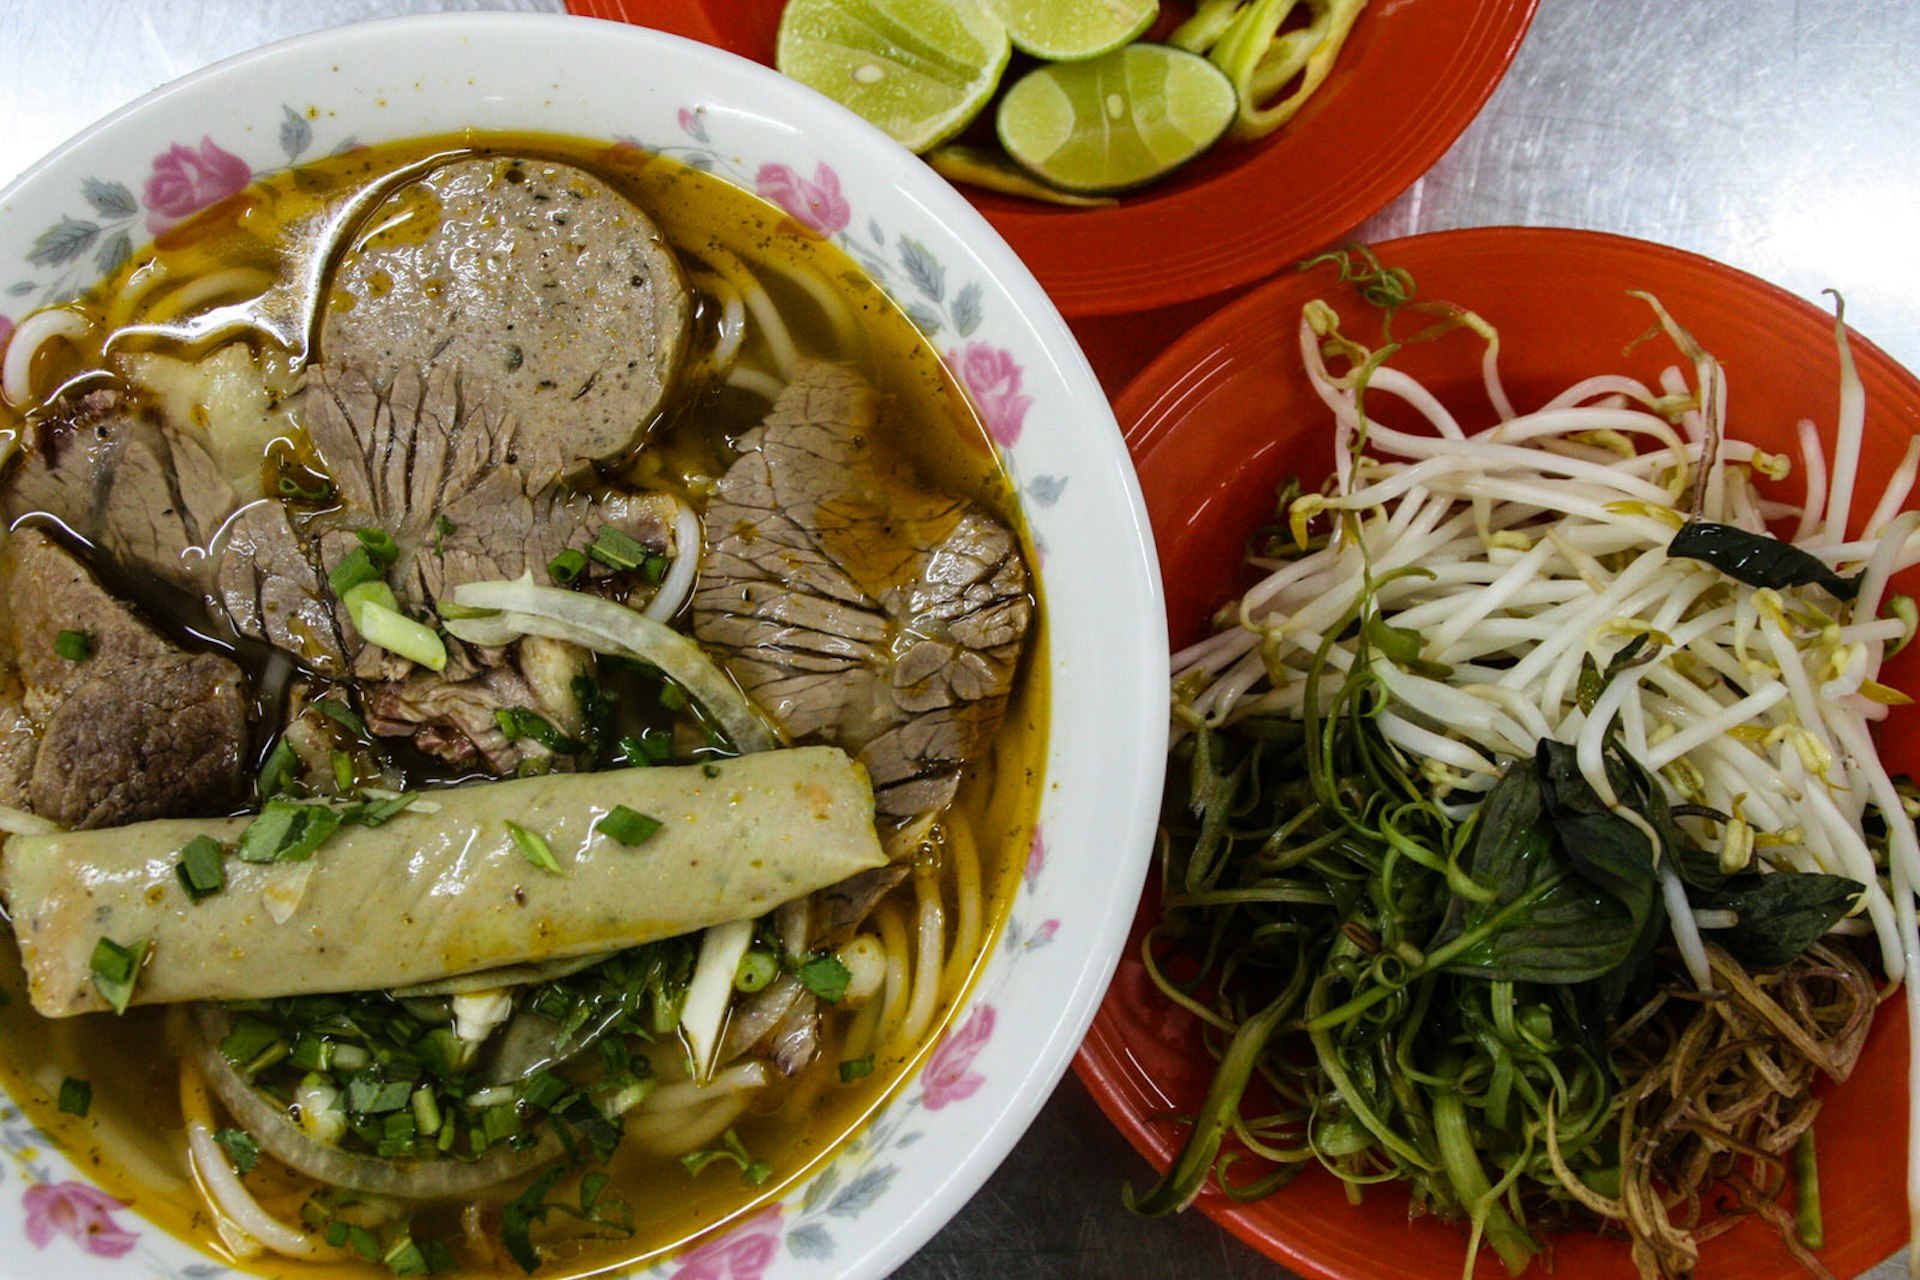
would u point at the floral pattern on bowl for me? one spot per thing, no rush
(79, 214)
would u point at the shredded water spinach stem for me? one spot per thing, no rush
(1460, 891)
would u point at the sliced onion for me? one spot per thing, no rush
(526, 608)
(408, 1179)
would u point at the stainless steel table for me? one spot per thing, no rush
(1778, 136)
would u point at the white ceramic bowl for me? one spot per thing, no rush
(189, 143)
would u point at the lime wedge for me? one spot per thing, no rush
(1070, 30)
(1116, 121)
(920, 69)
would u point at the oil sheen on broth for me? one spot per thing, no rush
(132, 1140)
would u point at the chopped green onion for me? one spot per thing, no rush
(628, 826)
(671, 696)
(649, 747)
(389, 629)
(287, 832)
(370, 1095)
(201, 869)
(533, 848)
(709, 770)
(403, 1258)
(291, 488)
(74, 646)
(354, 568)
(76, 1096)
(451, 610)
(441, 528)
(567, 566)
(822, 974)
(115, 970)
(343, 715)
(381, 548)
(543, 1090)
(277, 773)
(654, 568)
(372, 813)
(854, 1068)
(253, 1044)
(240, 1148)
(756, 970)
(519, 722)
(617, 550)
(343, 771)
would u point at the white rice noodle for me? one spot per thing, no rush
(244, 1226)
(33, 333)
(688, 548)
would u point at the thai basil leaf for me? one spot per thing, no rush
(1547, 922)
(1698, 867)
(1780, 916)
(1757, 559)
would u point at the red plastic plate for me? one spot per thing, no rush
(1411, 78)
(1224, 415)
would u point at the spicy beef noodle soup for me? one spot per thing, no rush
(510, 756)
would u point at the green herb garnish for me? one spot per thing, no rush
(355, 567)
(519, 722)
(74, 646)
(115, 970)
(287, 831)
(343, 715)
(567, 566)
(276, 775)
(753, 1172)
(617, 550)
(201, 868)
(381, 547)
(534, 848)
(76, 1096)
(855, 1068)
(822, 974)
(240, 1148)
(629, 826)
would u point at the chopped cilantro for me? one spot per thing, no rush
(240, 1148)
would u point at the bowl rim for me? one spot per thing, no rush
(1129, 559)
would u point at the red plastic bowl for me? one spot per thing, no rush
(1220, 419)
(1410, 79)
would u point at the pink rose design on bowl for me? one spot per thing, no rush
(79, 1212)
(1036, 857)
(992, 377)
(185, 181)
(6, 334)
(946, 1078)
(744, 1253)
(818, 203)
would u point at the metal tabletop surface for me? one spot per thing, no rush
(1778, 136)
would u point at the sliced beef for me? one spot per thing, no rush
(150, 498)
(556, 295)
(427, 459)
(905, 655)
(139, 728)
(454, 720)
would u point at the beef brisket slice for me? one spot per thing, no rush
(855, 605)
(137, 729)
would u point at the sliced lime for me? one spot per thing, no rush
(1116, 121)
(1070, 30)
(920, 69)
